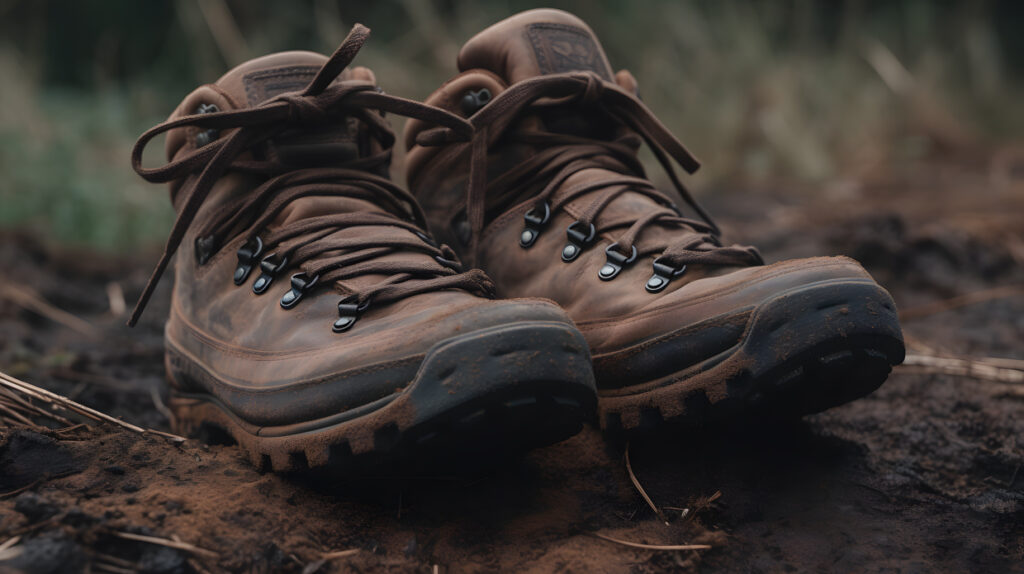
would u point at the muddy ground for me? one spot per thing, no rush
(924, 475)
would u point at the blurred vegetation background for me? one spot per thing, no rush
(803, 92)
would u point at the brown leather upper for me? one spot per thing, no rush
(614, 315)
(275, 366)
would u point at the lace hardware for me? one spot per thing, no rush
(204, 248)
(301, 283)
(616, 261)
(577, 240)
(247, 255)
(270, 266)
(206, 136)
(449, 263)
(663, 274)
(426, 238)
(472, 101)
(534, 223)
(349, 310)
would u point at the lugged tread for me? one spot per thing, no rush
(762, 376)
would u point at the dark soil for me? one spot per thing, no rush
(924, 475)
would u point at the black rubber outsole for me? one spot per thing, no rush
(803, 352)
(481, 397)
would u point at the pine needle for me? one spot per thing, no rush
(65, 403)
(176, 544)
(651, 546)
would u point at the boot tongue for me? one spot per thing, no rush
(536, 43)
(256, 81)
(547, 41)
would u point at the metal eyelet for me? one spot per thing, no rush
(472, 101)
(270, 266)
(663, 274)
(535, 219)
(247, 255)
(206, 136)
(301, 283)
(577, 241)
(349, 310)
(616, 261)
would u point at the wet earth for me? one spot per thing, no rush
(924, 475)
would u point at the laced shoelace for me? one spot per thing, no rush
(561, 156)
(310, 244)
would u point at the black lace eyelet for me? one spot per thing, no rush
(204, 248)
(349, 310)
(460, 227)
(206, 136)
(270, 266)
(616, 261)
(663, 274)
(449, 263)
(577, 240)
(247, 255)
(535, 219)
(472, 101)
(426, 238)
(301, 283)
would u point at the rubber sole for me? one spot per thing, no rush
(802, 352)
(484, 395)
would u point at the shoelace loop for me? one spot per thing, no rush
(307, 243)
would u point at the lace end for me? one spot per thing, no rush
(147, 293)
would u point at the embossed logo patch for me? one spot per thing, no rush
(563, 48)
(266, 84)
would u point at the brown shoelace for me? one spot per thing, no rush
(310, 244)
(562, 155)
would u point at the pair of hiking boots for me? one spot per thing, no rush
(316, 320)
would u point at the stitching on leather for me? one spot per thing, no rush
(193, 362)
(742, 316)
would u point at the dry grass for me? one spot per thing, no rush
(16, 391)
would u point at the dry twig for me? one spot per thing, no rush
(340, 554)
(8, 550)
(10, 542)
(986, 369)
(652, 546)
(640, 489)
(11, 493)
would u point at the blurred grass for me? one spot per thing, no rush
(783, 90)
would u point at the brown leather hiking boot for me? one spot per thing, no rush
(312, 316)
(551, 201)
